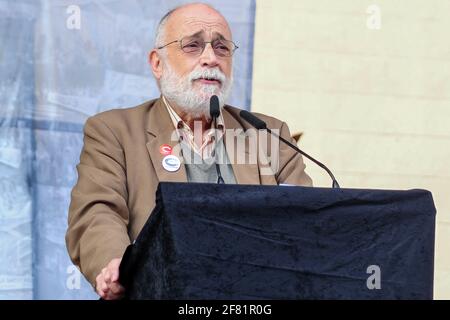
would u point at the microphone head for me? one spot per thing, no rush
(214, 107)
(253, 120)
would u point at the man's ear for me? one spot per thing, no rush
(155, 62)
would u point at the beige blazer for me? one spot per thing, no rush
(120, 168)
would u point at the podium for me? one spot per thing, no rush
(215, 241)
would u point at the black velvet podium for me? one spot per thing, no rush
(212, 241)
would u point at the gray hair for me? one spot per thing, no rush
(160, 29)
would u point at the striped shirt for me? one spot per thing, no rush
(203, 144)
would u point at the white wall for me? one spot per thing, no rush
(373, 104)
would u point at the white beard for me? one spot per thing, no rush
(194, 101)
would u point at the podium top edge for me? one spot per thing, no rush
(170, 183)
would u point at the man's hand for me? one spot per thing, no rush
(107, 282)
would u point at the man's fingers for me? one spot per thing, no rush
(114, 269)
(101, 284)
(104, 287)
(107, 285)
(116, 288)
(107, 276)
(115, 292)
(113, 296)
(115, 275)
(99, 287)
(101, 294)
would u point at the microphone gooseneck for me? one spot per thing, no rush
(261, 125)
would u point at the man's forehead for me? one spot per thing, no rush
(205, 25)
(202, 33)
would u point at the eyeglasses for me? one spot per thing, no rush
(196, 46)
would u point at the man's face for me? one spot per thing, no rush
(202, 24)
(198, 74)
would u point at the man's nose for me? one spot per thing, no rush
(208, 57)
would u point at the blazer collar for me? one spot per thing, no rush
(160, 131)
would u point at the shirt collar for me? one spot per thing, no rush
(179, 123)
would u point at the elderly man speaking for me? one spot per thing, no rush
(127, 152)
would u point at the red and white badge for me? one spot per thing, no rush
(165, 149)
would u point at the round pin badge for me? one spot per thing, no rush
(165, 149)
(171, 163)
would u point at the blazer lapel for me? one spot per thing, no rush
(160, 131)
(245, 166)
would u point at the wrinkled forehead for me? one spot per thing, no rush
(206, 26)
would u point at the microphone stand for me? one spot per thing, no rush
(219, 174)
(320, 164)
(261, 125)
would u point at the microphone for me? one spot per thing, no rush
(214, 111)
(261, 125)
(214, 107)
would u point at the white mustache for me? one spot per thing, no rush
(213, 74)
